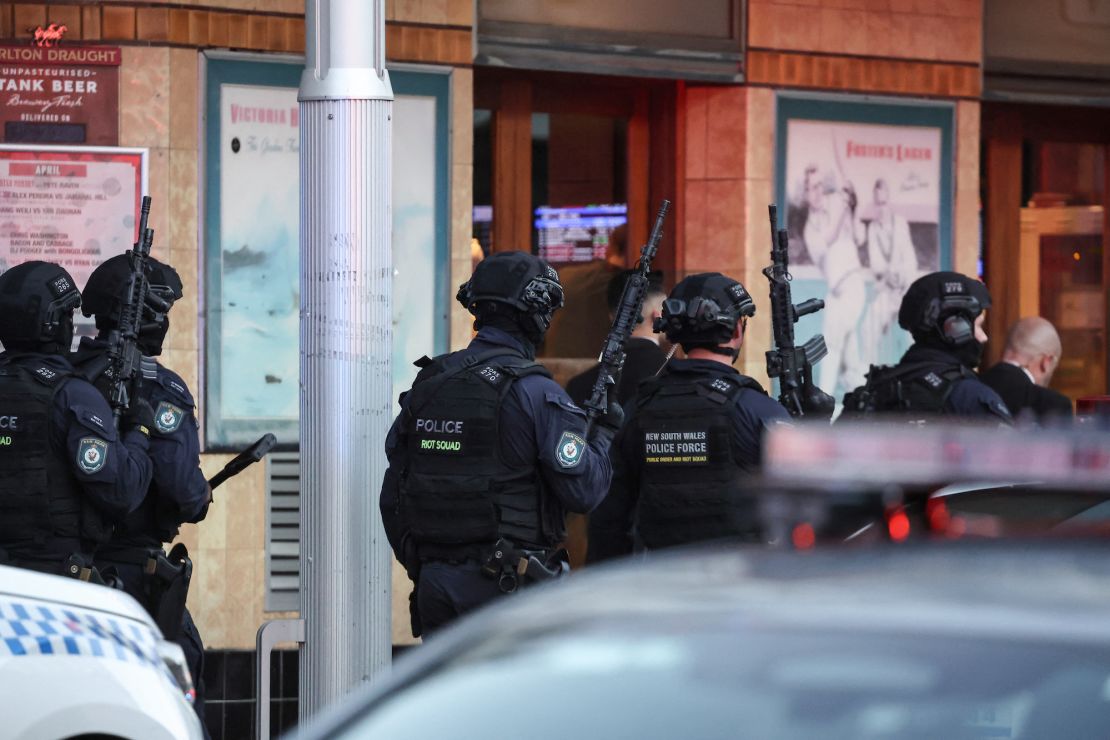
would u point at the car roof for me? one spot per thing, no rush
(1016, 589)
(1040, 590)
(19, 583)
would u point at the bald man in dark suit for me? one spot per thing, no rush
(1032, 353)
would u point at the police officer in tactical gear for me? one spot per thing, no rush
(488, 453)
(944, 313)
(66, 473)
(178, 491)
(693, 432)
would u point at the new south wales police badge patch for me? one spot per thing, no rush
(92, 453)
(167, 418)
(569, 450)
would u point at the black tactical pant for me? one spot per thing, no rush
(446, 591)
(134, 583)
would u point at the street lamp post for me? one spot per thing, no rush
(345, 347)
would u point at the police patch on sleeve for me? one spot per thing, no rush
(167, 417)
(569, 450)
(92, 453)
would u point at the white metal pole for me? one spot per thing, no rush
(346, 338)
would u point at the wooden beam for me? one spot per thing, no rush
(678, 213)
(1003, 235)
(639, 177)
(512, 168)
(665, 163)
(863, 74)
(1106, 254)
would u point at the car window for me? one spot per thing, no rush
(1097, 514)
(1029, 506)
(746, 681)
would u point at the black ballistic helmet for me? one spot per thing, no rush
(703, 310)
(516, 283)
(942, 307)
(104, 294)
(37, 300)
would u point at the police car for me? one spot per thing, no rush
(83, 660)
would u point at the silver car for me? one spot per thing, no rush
(987, 639)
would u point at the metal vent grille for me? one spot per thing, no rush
(283, 533)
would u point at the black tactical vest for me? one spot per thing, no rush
(40, 498)
(690, 487)
(456, 490)
(918, 389)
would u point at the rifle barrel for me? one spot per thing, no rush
(629, 310)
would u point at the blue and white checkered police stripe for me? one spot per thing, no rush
(33, 629)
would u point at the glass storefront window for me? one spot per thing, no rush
(1073, 298)
(580, 215)
(1062, 230)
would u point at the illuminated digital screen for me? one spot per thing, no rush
(577, 234)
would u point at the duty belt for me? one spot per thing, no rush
(511, 566)
(75, 566)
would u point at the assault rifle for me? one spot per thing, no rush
(627, 316)
(791, 364)
(244, 459)
(126, 366)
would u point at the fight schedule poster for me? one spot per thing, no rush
(75, 206)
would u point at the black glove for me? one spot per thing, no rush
(816, 403)
(138, 415)
(608, 424)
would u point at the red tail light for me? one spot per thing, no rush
(803, 537)
(897, 524)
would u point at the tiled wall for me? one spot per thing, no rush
(759, 191)
(918, 47)
(716, 120)
(965, 251)
(230, 702)
(728, 150)
(416, 30)
(944, 30)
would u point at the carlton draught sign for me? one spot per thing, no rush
(59, 95)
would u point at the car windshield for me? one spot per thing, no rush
(1030, 505)
(752, 680)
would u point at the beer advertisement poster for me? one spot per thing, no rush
(59, 95)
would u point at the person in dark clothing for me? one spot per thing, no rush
(1032, 353)
(692, 434)
(67, 474)
(643, 356)
(944, 313)
(178, 491)
(489, 453)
